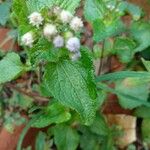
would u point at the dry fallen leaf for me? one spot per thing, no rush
(127, 124)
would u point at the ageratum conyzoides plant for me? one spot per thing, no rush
(70, 93)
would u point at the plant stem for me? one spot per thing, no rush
(101, 59)
(33, 95)
(25, 130)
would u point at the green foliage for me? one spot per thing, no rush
(141, 33)
(146, 64)
(68, 82)
(11, 67)
(132, 9)
(143, 112)
(93, 9)
(65, 137)
(124, 48)
(44, 51)
(122, 75)
(107, 28)
(72, 82)
(5, 12)
(20, 12)
(89, 141)
(37, 5)
(131, 87)
(41, 142)
(54, 113)
(97, 136)
(146, 130)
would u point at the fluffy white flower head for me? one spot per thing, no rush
(76, 56)
(50, 30)
(76, 24)
(58, 41)
(73, 44)
(36, 19)
(27, 39)
(65, 16)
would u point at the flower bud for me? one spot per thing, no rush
(65, 16)
(73, 44)
(50, 30)
(76, 24)
(27, 39)
(68, 35)
(58, 41)
(36, 19)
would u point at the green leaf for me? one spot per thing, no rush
(96, 138)
(131, 86)
(65, 137)
(99, 126)
(89, 141)
(124, 48)
(11, 67)
(38, 5)
(43, 50)
(104, 29)
(134, 10)
(123, 75)
(5, 12)
(146, 130)
(126, 96)
(146, 64)
(143, 112)
(69, 83)
(141, 32)
(41, 142)
(54, 113)
(20, 11)
(94, 9)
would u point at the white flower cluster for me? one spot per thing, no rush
(36, 19)
(27, 39)
(53, 32)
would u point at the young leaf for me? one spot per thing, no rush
(141, 32)
(43, 50)
(124, 48)
(65, 137)
(68, 82)
(134, 10)
(55, 113)
(103, 30)
(11, 67)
